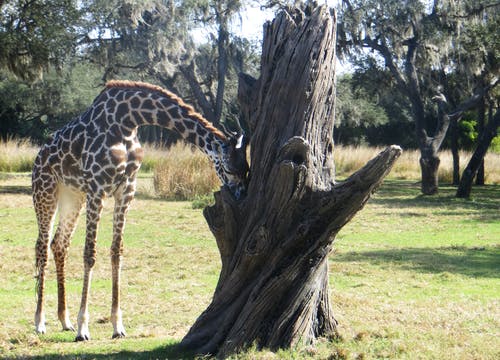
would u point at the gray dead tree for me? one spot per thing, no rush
(274, 243)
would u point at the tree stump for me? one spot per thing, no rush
(274, 243)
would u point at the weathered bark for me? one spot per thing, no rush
(274, 244)
(483, 143)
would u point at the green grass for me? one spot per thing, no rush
(418, 276)
(411, 277)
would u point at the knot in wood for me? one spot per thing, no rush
(296, 150)
(258, 242)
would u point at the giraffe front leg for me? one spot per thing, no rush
(94, 209)
(123, 197)
(83, 333)
(116, 313)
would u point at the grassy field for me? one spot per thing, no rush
(411, 277)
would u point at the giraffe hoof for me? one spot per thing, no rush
(119, 335)
(40, 331)
(67, 325)
(82, 338)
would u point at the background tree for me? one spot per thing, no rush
(154, 41)
(43, 83)
(36, 34)
(35, 110)
(474, 65)
(355, 113)
(472, 167)
(379, 87)
(414, 42)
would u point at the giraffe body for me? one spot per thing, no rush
(97, 155)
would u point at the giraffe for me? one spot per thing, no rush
(97, 155)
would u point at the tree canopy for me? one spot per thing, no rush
(37, 34)
(402, 57)
(149, 40)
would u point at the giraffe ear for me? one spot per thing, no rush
(239, 142)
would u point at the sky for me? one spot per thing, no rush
(250, 26)
(253, 19)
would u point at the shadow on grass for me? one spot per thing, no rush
(170, 351)
(469, 261)
(485, 200)
(15, 189)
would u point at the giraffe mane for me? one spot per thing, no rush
(191, 112)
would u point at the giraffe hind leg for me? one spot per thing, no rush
(70, 205)
(45, 204)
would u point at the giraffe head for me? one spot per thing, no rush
(233, 168)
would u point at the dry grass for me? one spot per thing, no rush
(16, 155)
(181, 173)
(184, 173)
(153, 154)
(350, 158)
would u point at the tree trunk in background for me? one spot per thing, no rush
(222, 43)
(189, 73)
(484, 141)
(430, 145)
(274, 243)
(481, 112)
(429, 165)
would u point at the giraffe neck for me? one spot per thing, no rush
(130, 105)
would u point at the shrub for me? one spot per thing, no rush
(17, 155)
(153, 155)
(184, 174)
(495, 145)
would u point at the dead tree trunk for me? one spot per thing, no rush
(274, 243)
